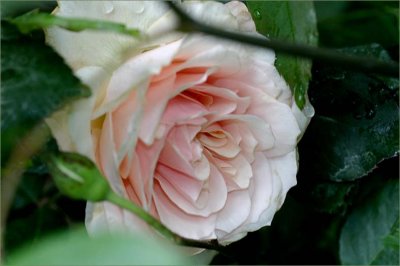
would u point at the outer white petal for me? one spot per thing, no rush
(235, 212)
(242, 15)
(103, 217)
(71, 126)
(285, 168)
(211, 12)
(92, 48)
(304, 116)
(137, 70)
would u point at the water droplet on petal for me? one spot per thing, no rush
(257, 14)
(308, 110)
(139, 8)
(108, 7)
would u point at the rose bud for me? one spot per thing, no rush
(78, 177)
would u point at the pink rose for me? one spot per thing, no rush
(200, 132)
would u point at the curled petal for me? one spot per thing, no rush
(242, 15)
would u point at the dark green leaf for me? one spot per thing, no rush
(297, 236)
(350, 23)
(76, 248)
(363, 236)
(292, 21)
(331, 197)
(35, 82)
(356, 123)
(390, 253)
(38, 207)
(12, 8)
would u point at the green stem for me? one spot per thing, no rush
(142, 214)
(34, 21)
(157, 225)
(25, 148)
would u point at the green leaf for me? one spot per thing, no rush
(356, 125)
(76, 248)
(365, 233)
(35, 82)
(291, 21)
(297, 236)
(390, 252)
(34, 21)
(330, 197)
(14, 8)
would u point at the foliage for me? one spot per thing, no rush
(344, 209)
(362, 240)
(293, 22)
(356, 124)
(30, 84)
(73, 247)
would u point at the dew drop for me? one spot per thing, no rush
(338, 76)
(257, 14)
(308, 110)
(139, 8)
(108, 7)
(370, 113)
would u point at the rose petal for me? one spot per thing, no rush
(283, 125)
(188, 186)
(136, 71)
(231, 217)
(212, 13)
(103, 216)
(304, 116)
(261, 130)
(108, 157)
(224, 100)
(210, 200)
(237, 170)
(242, 15)
(186, 225)
(173, 157)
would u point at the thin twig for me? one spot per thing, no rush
(333, 57)
(11, 176)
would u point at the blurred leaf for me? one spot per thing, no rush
(328, 9)
(295, 22)
(76, 248)
(356, 123)
(362, 240)
(28, 224)
(35, 82)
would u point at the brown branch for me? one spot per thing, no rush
(11, 175)
(331, 56)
